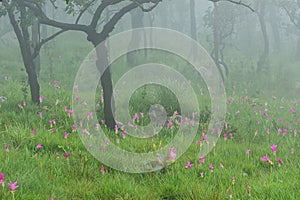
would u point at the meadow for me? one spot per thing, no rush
(255, 157)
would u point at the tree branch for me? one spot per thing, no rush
(85, 7)
(237, 3)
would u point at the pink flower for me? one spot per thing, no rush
(211, 167)
(2, 179)
(42, 98)
(202, 174)
(39, 146)
(6, 149)
(274, 148)
(57, 102)
(225, 136)
(230, 100)
(232, 180)
(221, 165)
(279, 131)
(66, 135)
(123, 133)
(13, 186)
(248, 152)
(189, 165)
(292, 111)
(33, 132)
(70, 112)
(279, 160)
(266, 159)
(40, 114)
(67, 155)
(74, 127)
(231, 135)
(52, 122)
(102, 170)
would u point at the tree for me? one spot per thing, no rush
(90, 29)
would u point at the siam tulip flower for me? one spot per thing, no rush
(296, 120)
(116, 128)
(230, 100)
(123, 133)
(20, 106)
(6, 149)
(172, 155)
(102, 170)
(118, 140)
(40, 114)
(57, 155)
(13, 186)
(136, 117)
(202, 174)
(248, 189)
(65, 108)
(225, 136)
(268, 131)
(292, 150)
(67, 155)
(292, 111)
(248, 152)
(279, 160)
(70, 112)
(266, 159)
(279, 131)
(211, 167)
(285, 131)
(232, 180)
(230, 194)
(231, 135)
(52, 122)
(42, 98)
(205, 138)
(256, 132)
(89, 115)
(76, 97)
(57, 102)
(74, 127)
(238, 112)
(265, 112)
(33, 132)
(274, 148)
(189, 165)
(66, 135)
(2, 179)
(221, 165)
(39, 146)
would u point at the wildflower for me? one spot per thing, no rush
(279, 160)
(13, 186)
(211, 167)
(102, 170)
(52, 122)
(292, 150)
(66, 135)
(230, 100)
(231, 135)
(2, 179)
(39, 146)
(33, 132)
(57, 102)
(292, 111)
(74, 127)
(225, 136)
(6, 149)
(232, 180)
(70, 112)
(274, 148)
(279, 131)
(221, 165)
(248, 152)
(189, 165)
(89, 115)
(265, 112)
(266, 159)
(285, 131)
(248, 189)
(40, 114)
(202, 174)
(42, 98)
(123, 133)
(230, 193)
(67, 155)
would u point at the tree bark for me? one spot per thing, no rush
(263, 57)
(22, 34)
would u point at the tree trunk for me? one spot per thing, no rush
(193, 20)
(263, 57)
(298, 48)
(106, 82)
(274, 22)
(35, 41)
(22, 34)
(216, 37)
(136, 22)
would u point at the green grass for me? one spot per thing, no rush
(45, 173)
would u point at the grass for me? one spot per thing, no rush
(46, 173)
